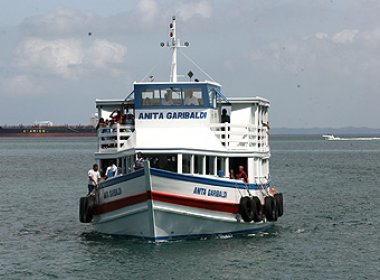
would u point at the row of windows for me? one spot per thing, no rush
(202, 165)
(175, 97)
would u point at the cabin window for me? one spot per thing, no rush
(171, 97)
(193, 97)
(163, 161)
(150, 97)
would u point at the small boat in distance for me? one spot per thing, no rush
(331, 137)
(189, 162)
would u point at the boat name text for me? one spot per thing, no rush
(172, 115)
(112, 193)
(209, 192)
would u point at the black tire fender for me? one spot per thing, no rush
(279, 203)
(246, 208)
(270, 208)
(257, 213)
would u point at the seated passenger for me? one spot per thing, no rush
(139, 162)
(168, 98)
(111, 170)
(147, 101)
(190, 99)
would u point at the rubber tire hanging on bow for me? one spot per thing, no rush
(270, 208)
(257, 213)
(246, 208)
(279, 203)
(86, 208)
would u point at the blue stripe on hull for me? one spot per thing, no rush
(181, 177)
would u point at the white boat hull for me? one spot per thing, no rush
(160, 205)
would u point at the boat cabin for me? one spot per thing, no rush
(186, 128)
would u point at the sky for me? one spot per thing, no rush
(317, 61)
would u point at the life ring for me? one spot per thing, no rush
(270, 208)
(86, 208)
(257, 213)
(279, 203)
(246, 209)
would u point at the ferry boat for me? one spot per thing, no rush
(186, 188)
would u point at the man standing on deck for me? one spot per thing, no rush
(93, 177)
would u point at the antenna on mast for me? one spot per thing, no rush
(174, 44)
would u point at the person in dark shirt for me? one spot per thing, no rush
(241, 174)
(224, 117)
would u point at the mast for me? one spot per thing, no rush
(174, 44)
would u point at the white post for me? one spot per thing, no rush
(118, 136)
(250, 170)
(204, 165)
(227, 167)
(179, 164)
(215, 165)
(173, 75)
(192, 164)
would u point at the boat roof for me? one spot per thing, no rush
(179, 83)
(241, 100)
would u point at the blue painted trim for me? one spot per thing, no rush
(119, 179)
(205, 181)
(182, 177)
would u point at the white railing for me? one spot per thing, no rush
(241, 137)
(115, 137)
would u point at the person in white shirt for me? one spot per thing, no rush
(190, 99)
(111, 170)
(139, 163)
(168, 98)
(93, 178)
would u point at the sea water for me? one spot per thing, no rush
(330, 228)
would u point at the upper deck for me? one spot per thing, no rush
(187, 115)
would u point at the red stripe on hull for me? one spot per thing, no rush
(168, 198)
(120, 203)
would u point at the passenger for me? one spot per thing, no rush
(93, 178)
(101, 123)
(232, 174)
(117, 116)
(139, 162)
(147, 101)
(241, 174)
(111, 170)
(224, 117)
(190, 99)
(168, 98)
(130, 119)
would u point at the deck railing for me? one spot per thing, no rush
(241, 137)
(114, 138)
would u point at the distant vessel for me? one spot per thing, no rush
(47, 129)
(331, 137)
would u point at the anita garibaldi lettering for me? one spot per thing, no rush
(172, 115)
